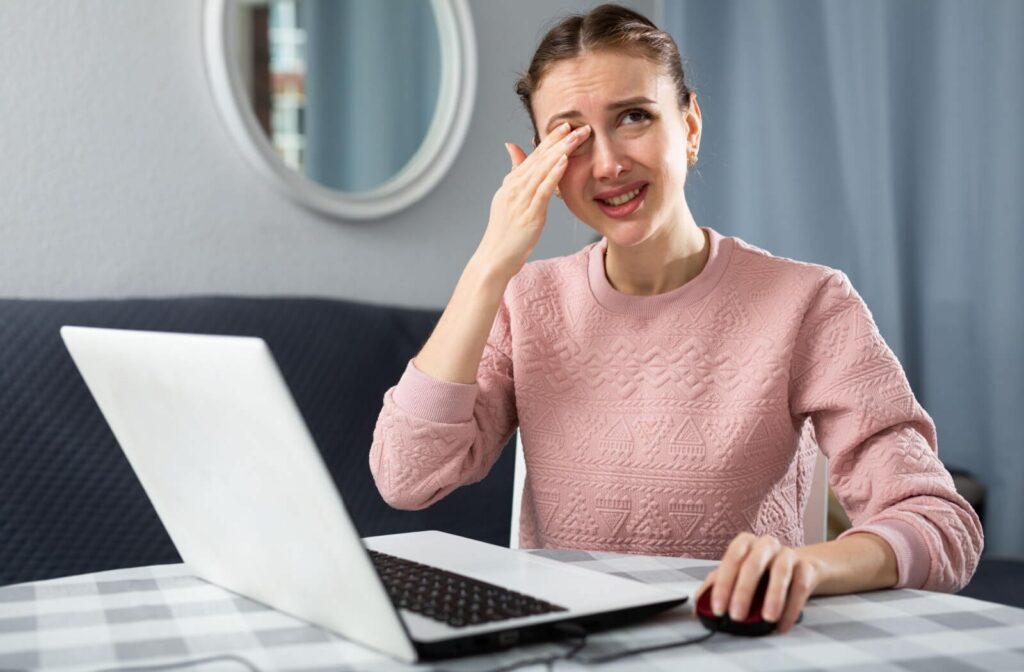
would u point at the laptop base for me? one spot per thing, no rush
(542, 632)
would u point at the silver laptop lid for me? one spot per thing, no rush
(213, 434)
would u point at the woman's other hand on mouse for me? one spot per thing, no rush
(793, 579)
(519, 207)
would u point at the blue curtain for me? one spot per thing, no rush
(886, 139)
(372, 74)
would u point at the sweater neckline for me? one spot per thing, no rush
(651, 306)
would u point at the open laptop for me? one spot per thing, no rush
(218, 443)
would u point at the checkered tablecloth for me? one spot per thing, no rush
(156, 617)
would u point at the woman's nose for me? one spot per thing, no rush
(609, 161)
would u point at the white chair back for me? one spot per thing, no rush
(815, 515)
(518, 483)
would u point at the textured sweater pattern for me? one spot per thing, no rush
(668, 424)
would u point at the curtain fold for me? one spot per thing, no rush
(373, 72)
(886, 139)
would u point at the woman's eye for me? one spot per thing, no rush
(635, 117)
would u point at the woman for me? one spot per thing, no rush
(671, 384)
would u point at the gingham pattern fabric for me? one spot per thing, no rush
(148, 616)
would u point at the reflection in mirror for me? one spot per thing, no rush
(345, 90)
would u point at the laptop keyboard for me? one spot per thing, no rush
(452, 598)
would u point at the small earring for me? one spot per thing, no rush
(558, 193)
(691, 159)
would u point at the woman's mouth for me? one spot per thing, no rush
(624, 204)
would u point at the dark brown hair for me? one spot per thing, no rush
(604, 27)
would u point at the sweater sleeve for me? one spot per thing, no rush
(881, 445)
(433, 436)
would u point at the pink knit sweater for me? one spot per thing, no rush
(667, 424)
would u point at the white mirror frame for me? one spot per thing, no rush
(423, 171)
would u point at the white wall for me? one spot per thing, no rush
(119, 178)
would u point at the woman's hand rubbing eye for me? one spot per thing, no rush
(519, 207)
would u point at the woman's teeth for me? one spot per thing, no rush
(622, 198)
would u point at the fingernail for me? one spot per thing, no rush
(717, 608)
(566, 126)
(736, 613)
(578, 134)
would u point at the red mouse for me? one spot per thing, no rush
(753, 625)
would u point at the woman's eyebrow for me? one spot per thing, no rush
(617, 105)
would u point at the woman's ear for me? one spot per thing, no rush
(694, 122)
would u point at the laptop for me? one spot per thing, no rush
(212, 432)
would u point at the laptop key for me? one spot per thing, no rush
(452, 598)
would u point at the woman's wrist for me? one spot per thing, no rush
(484, 273)
(859, 562)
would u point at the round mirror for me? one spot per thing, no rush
(357, 109)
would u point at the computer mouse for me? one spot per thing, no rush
(753, 625)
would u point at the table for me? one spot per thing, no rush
(147, 616)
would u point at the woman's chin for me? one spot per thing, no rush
(627, 233)
(619, 232)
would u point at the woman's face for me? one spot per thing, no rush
(638, 146)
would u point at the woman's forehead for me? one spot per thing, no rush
(594, 80)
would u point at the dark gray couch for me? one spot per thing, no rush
(69, 502)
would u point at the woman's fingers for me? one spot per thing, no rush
(568, 144)
(551, 140)
(755, 564)
(778, 584)
(550, 151)
(534, 178)
(791, 580)
(515, 153)
(547, 186)
(557, 134)
(800, 590)
(728, 570)
(519, 206)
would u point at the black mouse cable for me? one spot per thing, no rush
(571, 631)
(195, 662)
(646, 649)
(572, 654)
